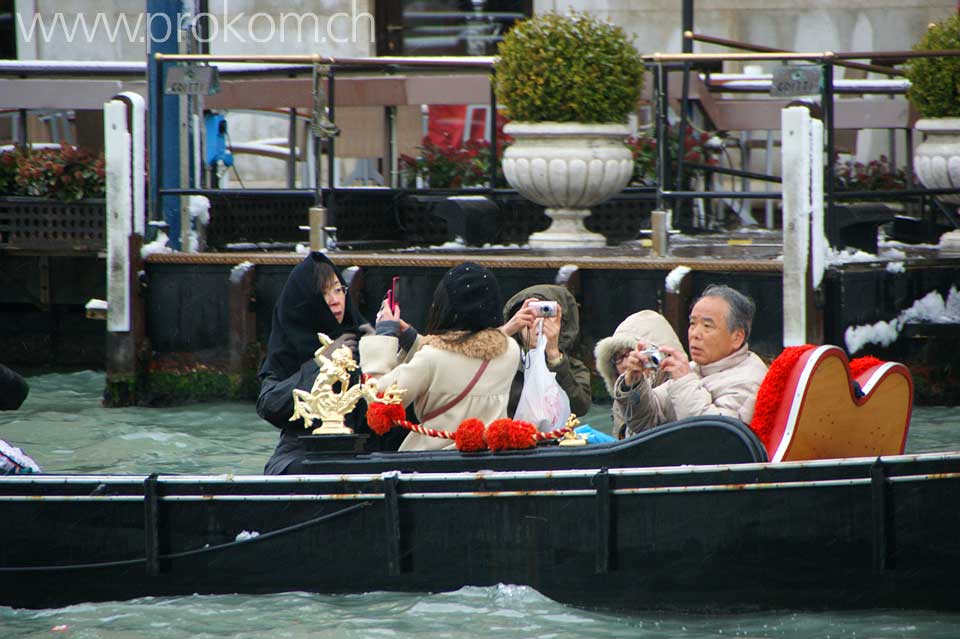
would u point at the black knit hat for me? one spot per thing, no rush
(474, 295)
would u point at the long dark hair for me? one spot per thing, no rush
(441, 318)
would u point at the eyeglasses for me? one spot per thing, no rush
(335, 291)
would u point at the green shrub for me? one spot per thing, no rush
(568, 68)
(935, 82)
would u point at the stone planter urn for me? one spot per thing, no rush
(568, 168)
(936, 160)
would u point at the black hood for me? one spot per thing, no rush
(299, 315)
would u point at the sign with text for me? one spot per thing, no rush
(192, 80)
(795, 80)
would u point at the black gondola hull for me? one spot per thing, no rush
(735, 535)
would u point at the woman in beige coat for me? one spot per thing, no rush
(462, 367)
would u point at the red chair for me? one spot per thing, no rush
(808, 406)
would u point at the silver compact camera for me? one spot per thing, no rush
(654, 356)
(546, 308)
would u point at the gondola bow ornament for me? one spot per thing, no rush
(332, 397)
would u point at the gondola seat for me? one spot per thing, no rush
(815, 404)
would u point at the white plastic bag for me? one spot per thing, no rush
(543, 402)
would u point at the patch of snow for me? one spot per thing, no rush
(848, 255)
(883, 333)
(457, 242)
(952, 307)
(891, 253)
(247, 535)
(675, 278)
(193, 242)
(199, 207)
(930, 309)
(238, 271)
(566, 272)
(159, 245)
(895, 267)
(896, 244)
(241, 267)
(94, 304)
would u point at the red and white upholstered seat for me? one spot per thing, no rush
(808, 406)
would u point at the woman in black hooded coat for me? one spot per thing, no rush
(312, 301)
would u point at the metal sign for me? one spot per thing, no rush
(795, 80)
(192, 80)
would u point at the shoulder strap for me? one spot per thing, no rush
(456, 400)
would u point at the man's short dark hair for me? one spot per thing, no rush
(741, 307)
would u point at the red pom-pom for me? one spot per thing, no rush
(498, 435)
(862, 364)
(383, 417)
(507, 434)
(522, 435)
(469, 435)
(771, 391)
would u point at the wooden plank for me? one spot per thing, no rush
(764, 114)
(448, 89)
(60, 93)
(266, 93)
(363, 132)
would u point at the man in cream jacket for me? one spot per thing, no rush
(722, 379)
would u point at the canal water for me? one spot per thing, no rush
(63, 427)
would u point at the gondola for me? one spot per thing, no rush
(687, 516)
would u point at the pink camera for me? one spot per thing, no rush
(546, 308)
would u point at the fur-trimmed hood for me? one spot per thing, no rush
(486, 344)
(648, 326)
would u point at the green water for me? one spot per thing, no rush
(63, 427)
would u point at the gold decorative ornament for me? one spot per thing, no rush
(571, 437)
(330, 406)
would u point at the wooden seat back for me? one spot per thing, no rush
(820, 415)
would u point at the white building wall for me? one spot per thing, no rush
(802, 25)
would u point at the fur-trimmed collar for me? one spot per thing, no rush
(487, 344)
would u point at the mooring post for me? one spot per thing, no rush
(568, 276)
(804, 242)
(243, 316)
(677, 295)
(124, 144)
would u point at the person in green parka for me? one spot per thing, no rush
(563, 333)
